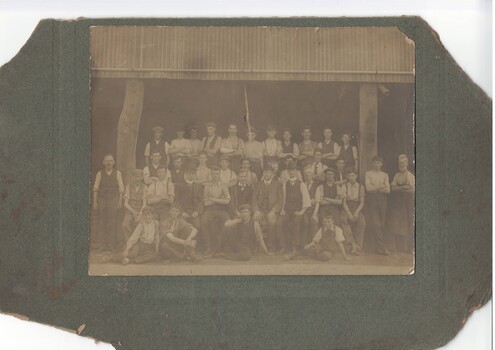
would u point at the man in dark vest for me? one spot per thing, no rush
(240, 194)
(241, 240)
(211, 143)
(150, 172)
(328, 198)
(134, 202)
(349, 152)
(290, 149)
(296, 202)
(157, 145)
(267, 203)
(189, 195)
(107, 200)
(177, 172)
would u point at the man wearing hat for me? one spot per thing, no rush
(296, 202)
(233, 147)
(211, 143)
(284, 174)
(180, 146)
(157, 145)
(377, 188)
(271, 146)
(134, 202)
(328, 199)
(267, 203)
(401, 213)
(189, 195)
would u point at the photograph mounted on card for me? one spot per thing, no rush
(252, 150)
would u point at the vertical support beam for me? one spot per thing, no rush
(368, 126)
(129, 127)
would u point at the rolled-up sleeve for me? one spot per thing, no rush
(96, 186)
(121, 183)
(319, 194)
(305, 196)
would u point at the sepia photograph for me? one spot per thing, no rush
(250, 150)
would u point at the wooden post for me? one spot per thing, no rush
(129, 127)
(368, 126)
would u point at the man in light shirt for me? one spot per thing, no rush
(271, 146)
(160, 195)
(253, 150)
(227, 175)
(203, 172)
(196, 144)
(180, 146)
(233, 147)
(377, 189)
(216, 198)
(330, 149)
(296, 202)
(317, 167)
(352, 218)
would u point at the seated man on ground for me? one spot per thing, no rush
(327, 241)
(241, 239)
(178, 237)
(143, 244)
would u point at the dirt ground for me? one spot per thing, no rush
(260, 264)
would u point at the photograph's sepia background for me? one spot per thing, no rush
(355, 79)
(460, 25)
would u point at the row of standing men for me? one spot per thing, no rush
(290, 209)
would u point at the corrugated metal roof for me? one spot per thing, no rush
(371, 54)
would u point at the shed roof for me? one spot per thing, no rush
(364, 54)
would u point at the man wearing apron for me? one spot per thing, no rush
(401, 214)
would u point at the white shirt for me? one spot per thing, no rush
(147, 148)
(96, 186)
(272, 147)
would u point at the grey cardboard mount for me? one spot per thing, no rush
(44, 200)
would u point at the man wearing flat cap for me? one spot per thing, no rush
(157, 144)
(211, 143)
(134, 202)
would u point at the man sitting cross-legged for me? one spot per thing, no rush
(178, 237)
(240, 240)
(143, 244)
(327, 241)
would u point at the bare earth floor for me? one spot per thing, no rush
(260, 264)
